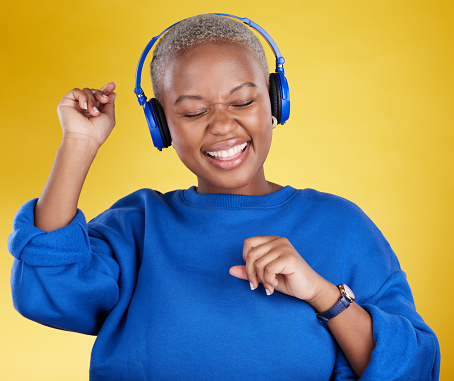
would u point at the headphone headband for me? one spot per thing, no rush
(279, 59)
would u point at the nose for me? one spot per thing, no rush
(222, 123)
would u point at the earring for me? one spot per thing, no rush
(274, 121)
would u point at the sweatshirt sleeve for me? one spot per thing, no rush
(66, 278)
(405, 346)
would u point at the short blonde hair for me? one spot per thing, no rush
(197, 30)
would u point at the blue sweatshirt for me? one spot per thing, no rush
(150, 277)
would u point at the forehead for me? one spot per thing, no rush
(212, 66)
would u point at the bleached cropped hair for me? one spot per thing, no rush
(199, 30)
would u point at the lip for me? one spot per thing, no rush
(226, 144)
(231, 162)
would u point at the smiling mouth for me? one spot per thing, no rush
(231, 158)
(229, 154)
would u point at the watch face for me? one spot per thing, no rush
(348, 292)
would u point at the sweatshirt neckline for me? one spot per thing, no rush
(234, 201)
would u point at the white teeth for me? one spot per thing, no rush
(228, 153)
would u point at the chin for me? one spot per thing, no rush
(233, 182)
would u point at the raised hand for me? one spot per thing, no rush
(88, 114)
(87, 117)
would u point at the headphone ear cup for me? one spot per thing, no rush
(152, 124)
(161, 122)
(275, 97)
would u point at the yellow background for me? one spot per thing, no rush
(372, 120)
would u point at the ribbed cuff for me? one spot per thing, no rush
(37, 247)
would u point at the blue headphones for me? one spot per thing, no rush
(154, 113)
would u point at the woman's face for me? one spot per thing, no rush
(217, 105)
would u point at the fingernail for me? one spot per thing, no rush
(95, 110)
(85, 105)
(252, 286)
(105, 96)
(267, 291)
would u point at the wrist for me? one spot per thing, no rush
(81, 145)
(326, 296)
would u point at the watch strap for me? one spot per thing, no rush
(335, 310)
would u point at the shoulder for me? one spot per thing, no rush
(360, 243)
(137, 204)
(331, 207)
(343, 215)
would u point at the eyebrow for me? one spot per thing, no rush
(245, 84)
(181, 98)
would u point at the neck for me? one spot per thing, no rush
(259, 186)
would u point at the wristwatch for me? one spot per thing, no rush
(347, 298)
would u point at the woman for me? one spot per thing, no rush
(150, 276)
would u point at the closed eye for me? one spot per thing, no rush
(243, 104)
(192, 116)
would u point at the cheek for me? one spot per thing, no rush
(264, 122)
(177, 132)
(185, 143)
(267, 138)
